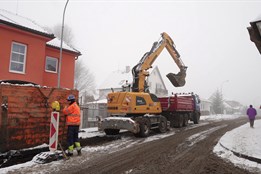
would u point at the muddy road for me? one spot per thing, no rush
(184, 151)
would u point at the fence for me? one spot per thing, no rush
(89, 113)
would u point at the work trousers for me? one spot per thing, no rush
(72, 135)
(251, 121)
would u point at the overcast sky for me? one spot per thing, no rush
(211, 37)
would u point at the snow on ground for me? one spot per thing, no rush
(90, 132)
(219, 117)
(202, 135)
(243, 139)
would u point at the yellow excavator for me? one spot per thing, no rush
(138, 110)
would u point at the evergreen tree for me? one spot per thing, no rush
(217, 102)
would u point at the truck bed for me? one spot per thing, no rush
(177, 103)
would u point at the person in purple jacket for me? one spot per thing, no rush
(251, 112)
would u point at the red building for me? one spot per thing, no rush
(29, 53)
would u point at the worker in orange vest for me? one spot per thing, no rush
(73, 120)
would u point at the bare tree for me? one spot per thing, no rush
(83, 78)
(67, 33)
(84, 81)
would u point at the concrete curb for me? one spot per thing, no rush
(240, 155)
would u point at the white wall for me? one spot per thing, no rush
(205, 106)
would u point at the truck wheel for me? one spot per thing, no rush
(171, 119)
(178, 121)
(162, 125)
(111, 131)
(181, 120)
(185, 120)
(196, 118)
(144, 128)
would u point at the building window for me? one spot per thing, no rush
(18, 58)
(51, 64)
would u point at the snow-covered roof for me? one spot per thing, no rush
(56, 42)
(232, 104)
(22, 22)
(205, 100)
(27, 24)
(116, 79)
(156, 70)
(227, 105)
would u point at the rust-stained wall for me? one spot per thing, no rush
(26, 122)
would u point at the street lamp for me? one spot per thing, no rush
(61, 47)
(222, 86)
(255, 33)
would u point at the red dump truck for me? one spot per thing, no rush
(180, 108)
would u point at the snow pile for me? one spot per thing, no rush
(28, 84)
(90, 132)
(219, 117)
(243, 140)
(246, 139)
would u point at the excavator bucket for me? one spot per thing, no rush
(178, 80)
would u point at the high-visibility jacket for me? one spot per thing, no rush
(73, 114)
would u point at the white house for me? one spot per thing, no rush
(156, 83)
(232, 107)
(118, 78)
(205, 106)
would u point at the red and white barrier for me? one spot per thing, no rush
(54, 131)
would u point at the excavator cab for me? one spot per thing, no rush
(178, 80)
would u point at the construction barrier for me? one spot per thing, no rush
(54, 131)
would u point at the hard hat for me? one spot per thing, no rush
(70, 97)
(56, 106)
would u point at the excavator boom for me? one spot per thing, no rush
(140, 70)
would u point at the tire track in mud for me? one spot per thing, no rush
(197, 158)
(171, 154)
(187, 145)
(162, 156)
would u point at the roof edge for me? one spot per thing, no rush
(78, 53)
(51, 36)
